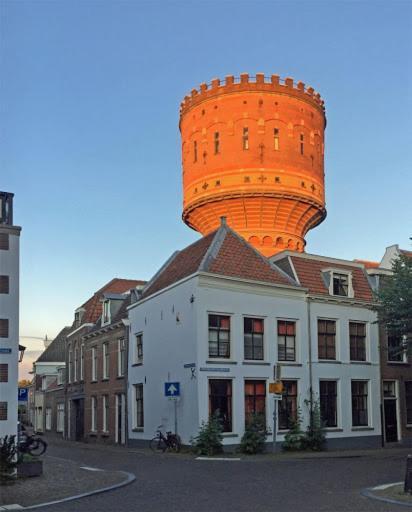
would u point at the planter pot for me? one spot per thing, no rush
(30, 468)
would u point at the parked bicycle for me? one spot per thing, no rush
(162, 442)
(30, 444)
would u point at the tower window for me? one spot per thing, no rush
(276, 139)
(195, 151)
(245, 138)
(217, 143)
(301, 143)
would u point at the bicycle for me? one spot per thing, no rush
(32, 445)
(161, 442)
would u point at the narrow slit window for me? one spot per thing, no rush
(301, 143)
(276, 139)
(217, 143)
(195, 151)
(245, 138)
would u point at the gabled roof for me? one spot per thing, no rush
(408, 254)
(119, 315)
(309, 268)
(221, 252)
(93, 306)
(55, 352)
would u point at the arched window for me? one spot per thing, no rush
(245, 138)
(276, 139)
(217, 143)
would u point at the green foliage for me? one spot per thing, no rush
(394, 298)
(315, 437)
(209, 439)
(294, 438)
(254, 439)
(8, 457)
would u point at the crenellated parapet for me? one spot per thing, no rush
(247, 83)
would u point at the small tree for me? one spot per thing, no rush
(209, 439)
(294, 438)
(315, 436)
(8, 458)
(254, 439)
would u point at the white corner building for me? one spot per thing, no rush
(9, 316)
(218, 318)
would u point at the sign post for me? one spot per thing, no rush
(276, 389)
(172, 392)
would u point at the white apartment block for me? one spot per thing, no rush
(218, 317)
(9, 316)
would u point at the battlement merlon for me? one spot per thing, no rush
(257, 83)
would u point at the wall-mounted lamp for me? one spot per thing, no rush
(21, 353)
(192, 299)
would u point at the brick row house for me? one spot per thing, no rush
(93, 390)
(395, 364)
(219, 317)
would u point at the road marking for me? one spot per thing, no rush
(217, 458)
(88, 468)
(385, 486)
(15, 506)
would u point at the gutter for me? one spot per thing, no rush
(310, 364)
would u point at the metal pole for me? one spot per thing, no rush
(175, 401)
(274, 425)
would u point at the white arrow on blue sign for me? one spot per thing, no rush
(172, 389)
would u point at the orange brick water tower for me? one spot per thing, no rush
(252, 150)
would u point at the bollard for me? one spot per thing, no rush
(408, 475)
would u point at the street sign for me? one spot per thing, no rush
(172, 389)
(276, 387)
(5, 350)
(277, 397)
(189, 365)
(23, 394)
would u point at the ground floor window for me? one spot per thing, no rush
(3, 411)
(48, 418)
(359, 403)
(408, 399)
(105, 412)
(139, 414)
(60, 418)
(287, 407)
(93, 426)
(255, 400)
(220, 401)
(328, 402)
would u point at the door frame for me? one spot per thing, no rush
(120, 404)
(397, 411)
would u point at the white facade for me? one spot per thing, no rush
(174, 327)
(9, 337)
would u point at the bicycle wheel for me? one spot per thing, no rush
(37, 447)
(175, 443)
(157, 444)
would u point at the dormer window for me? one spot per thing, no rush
(78, 316)
(338, 282)
(106, 312)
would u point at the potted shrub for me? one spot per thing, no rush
(29, 466)
(8, 459)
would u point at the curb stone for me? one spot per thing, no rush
(130, 479)
(368, 493)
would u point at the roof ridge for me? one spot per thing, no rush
(160, 271)
(214, 248)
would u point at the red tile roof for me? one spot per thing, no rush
(93, 306)
(309, 272)
(230, 255)
(406, 253)
(368, 264)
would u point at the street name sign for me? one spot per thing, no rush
(172, 389)
(5, 350)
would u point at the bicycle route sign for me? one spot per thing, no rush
(172, 389)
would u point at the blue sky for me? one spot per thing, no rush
(90, 146)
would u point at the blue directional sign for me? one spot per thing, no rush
(23, 394)
(172, 389)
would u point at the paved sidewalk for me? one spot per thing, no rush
(61, 479)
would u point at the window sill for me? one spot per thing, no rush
(106, 379)
(93, 434)
(105, 434)
(220, 361)
(408, 425)
(333, 429)
(93, 381)
(257, 362)
(138, 429)
(137, 364)
(398, 363)
(360, 362)
(360, 429)
(329, 361)
(120, 377)
(229, 434)
(288, 363)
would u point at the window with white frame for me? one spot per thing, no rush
(328, 401)
(360, 416)
(76, 362)
(60, 376)
(357, 341)
(94, 364)
(70, 365)
(219, 336)
(93, 426)
(396, 349)
(253, 338)
(60, 418)
(139, 348)
(408, 401)
(105, 412)
(139, 409)
(48, 418)
(44, 383)
(286, 340)
(105, 360)
(339, 282)
(106, 312)
(82, 361)
(121, 357)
